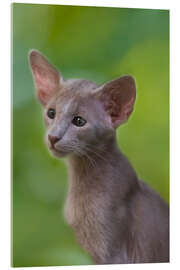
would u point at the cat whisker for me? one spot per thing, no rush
(96, 153)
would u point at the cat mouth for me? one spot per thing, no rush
(57, 152)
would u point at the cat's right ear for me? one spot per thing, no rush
(46, 77)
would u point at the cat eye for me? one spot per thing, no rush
(78, 121)
(51, 113)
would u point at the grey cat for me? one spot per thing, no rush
(116, 217)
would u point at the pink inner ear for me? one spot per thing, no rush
(43, 97)
(124, 113)
(118, 97)
(43, 85)
(46, 77)
(46, 84)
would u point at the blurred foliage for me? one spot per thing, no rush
(98, 44)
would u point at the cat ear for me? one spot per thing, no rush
(118, 97)
(45, 75)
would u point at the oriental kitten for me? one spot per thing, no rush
(116, 217)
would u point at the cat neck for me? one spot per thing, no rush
(100, 166)
(95, 157)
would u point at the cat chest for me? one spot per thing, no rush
(85, 214)
(80, 210)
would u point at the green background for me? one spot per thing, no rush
(97, 44)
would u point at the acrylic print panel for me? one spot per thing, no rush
(98, 44)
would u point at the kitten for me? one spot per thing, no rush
(116, 217)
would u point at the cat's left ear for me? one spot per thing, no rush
(118, 97)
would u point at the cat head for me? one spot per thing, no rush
(79, 115)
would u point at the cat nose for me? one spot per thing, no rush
(53, 139)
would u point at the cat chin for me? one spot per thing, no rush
(57, 153)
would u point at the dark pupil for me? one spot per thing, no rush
(51, 113)
(78, 121)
